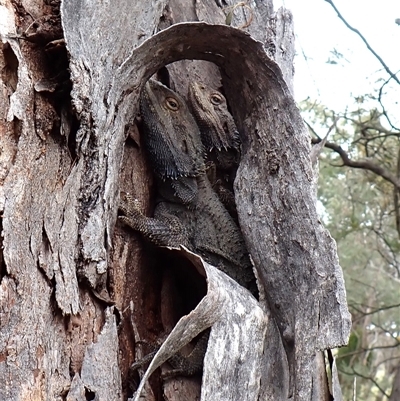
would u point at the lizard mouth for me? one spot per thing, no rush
(226, 128)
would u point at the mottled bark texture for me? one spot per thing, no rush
(396, 386)
(77, 291)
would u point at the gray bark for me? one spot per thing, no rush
(64, 259)
(396, 385)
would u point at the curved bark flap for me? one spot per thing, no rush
(294, 255)
(235, 316)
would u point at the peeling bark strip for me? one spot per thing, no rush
(294, 255)
(235, 317)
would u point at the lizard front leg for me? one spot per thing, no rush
(162, 230)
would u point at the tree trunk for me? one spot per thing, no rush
(80, 295)
(395, 395)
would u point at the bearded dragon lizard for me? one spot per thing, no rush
(188, 211)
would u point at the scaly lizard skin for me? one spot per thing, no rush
(217, 127)
(220, 138)
(188, 211)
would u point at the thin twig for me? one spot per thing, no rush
(355, 373)
(376, 310)
(381, 103)
(365, 41)
(396, 197)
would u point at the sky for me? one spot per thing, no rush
(319, 33)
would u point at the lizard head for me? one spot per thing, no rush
(217, 127)
(172, 136)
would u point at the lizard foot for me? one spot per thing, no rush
(129, 205)
(130, 209)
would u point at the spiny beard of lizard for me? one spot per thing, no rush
(172, 135)
(188, 211)
(178, 154)
(220, 137)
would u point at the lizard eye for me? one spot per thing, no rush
(172, 104)
(216, 99)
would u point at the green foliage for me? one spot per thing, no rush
(358, 208)
(345, 354)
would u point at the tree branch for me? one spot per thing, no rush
(365, 41)
(375, 310)
(381, 103)
(387, 332)
(362, 164)
(396, 197)
(354, 372)
(373, 381)
(392, 260)
(365, 350)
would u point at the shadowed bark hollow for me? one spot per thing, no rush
(77, 291)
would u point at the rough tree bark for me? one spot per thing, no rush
(77, 290)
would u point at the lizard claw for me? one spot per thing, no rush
(129, 205)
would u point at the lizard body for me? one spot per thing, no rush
(217, 127)
(188, 211)
(220, 138)
(187, 206)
